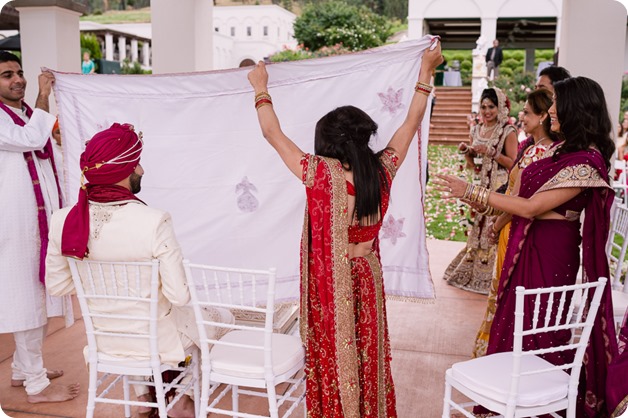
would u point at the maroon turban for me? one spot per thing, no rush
(109, 157)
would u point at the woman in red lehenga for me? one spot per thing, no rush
(343, 315)
(545, 236)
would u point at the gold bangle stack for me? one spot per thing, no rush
(423, 88)
(262, 99)
(491, 211)
(477, 194)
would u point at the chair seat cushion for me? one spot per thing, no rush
(490, 376)
(288, 353)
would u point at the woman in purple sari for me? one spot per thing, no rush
(544, 245)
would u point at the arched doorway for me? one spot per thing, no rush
(247, 62)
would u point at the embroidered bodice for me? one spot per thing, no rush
(365, 233)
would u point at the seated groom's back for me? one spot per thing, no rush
(128, 231)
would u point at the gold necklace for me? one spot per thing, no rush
(539, 141)
(484, 130)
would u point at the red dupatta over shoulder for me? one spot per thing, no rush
(327, 313)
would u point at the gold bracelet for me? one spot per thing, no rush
(423, 88)
(475, 194)
(485, 195)
(467, 192)
(486, 212)
(261, 93)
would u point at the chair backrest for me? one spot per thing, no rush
(552, 309)
(112, 293)
(250, 293)
(616, 245)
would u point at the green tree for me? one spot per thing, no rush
(90, 43)
(334, 22)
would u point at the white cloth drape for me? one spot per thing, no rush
(233, 201)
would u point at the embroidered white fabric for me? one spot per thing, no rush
(232, 200)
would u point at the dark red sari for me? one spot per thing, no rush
(343, 312)
(544, 253)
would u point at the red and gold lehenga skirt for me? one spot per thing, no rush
(375, 386)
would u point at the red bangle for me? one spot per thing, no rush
(261, 102)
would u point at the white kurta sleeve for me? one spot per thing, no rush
(31, 137)
(58, 275)
(167, 250)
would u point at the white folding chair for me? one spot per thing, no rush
(520, 383)
(618, 232)
(247, 355)
(100, 286)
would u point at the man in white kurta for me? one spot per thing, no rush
(23, 300)
(123, 228)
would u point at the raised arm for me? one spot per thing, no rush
(400, 141)
(34, 135)
(289, 152)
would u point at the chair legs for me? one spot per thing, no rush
(127, 396)
(91, 391)
(446, 399)
(272, 399)
(160, 395)
(234, 400)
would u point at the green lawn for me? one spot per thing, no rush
(120, 16)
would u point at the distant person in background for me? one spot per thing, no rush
(549, 75)
(622, 138)
(494, 58)
(492, 152)
(473, 119)
(522, 133)
(439, 73)
(87, 66)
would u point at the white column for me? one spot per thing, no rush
(489, 30)
(191, 49)
(146, 54)
(416, 25)
(121, 48)
(59, 49)
(580, 50)
(558, 32)
(108, 47)
(416, 21)
(134, 51)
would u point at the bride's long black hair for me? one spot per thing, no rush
(344, 134)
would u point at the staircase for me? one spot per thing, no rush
(449, 119)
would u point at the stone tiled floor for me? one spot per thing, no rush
(426, 339)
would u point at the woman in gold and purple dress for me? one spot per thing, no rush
(536, 123)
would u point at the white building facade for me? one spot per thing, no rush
(242, 35)
(246, 34)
